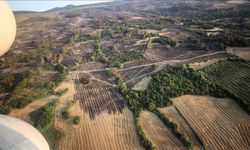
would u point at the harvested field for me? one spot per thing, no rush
(200, 65)
(219, 123)
(105, 121)
(233, 76)
(242, 52)
(158, 133)
(106, 131)
(171, 113)
(96, 98)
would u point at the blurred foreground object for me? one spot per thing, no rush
(7, 27)
(16, 134)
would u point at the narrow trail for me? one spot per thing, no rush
(24, 112)
(160, 65)
(150, 64)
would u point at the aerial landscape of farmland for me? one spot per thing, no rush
(132, 74)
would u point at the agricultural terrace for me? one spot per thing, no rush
(219, 123)
(233, 75)
(155, 130)
(183, 126)
(105, 121)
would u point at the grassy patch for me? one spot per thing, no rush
(49, 67)
(43, 120)
(65, 112)
(53, 135)
(61, 92)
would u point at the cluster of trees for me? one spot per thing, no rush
(136, 108)
(22, 90)
(121, 30)
(220, 41)
(72, 39)
(121, 57)
(43, 118)
(9, 80)
(61, 75)
(147, 24)
(97, 54)
(25, 81)
(85, 80)
(76, 120)
(65, 111)
(176, 82)
(164, 85)
(205, 42)
(122, 87)
(16, 86)
(164, 41)
(212, 14)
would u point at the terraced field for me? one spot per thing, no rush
(171, 113)
(234, 76)
(219, 123)
(155, 130)
(106, 122)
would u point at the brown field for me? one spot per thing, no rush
(200, 65)
(171, 113)
(175, 34)
(142, 84)
(91, 66)
(131, 73)
(137, 62)
(158, 133)
(233, 77)
(242, 52)
(219, 123)
(106, 122)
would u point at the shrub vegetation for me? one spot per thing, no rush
(65, 112)
(76, 120)
(175, 81)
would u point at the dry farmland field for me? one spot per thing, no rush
(174, 115)
(219, 123)
(106, 122)
(155, 130)
(233, 76)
